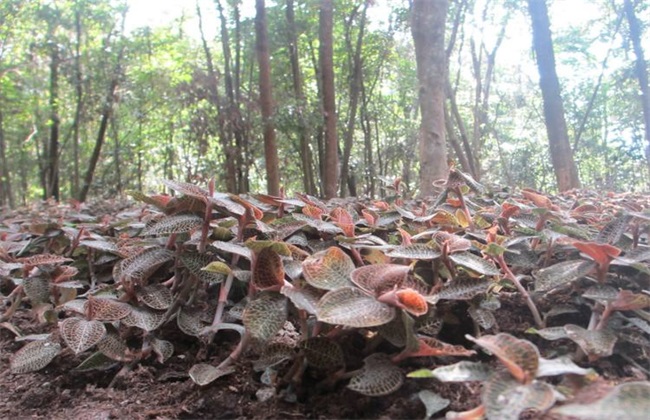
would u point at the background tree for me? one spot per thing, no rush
(428, 28)
(566, 172)
(331, 170)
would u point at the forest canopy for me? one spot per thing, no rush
(319, 96)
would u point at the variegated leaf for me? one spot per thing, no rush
(323, 353)
(179, 223)
(80, 335)
(144, 318)
(203, 374)
(562, 273)
(34, 356)
(155, 296)
(520, 357)
(475, 263)
(629, 400)
(378, 377)
(328, 269)
(351, 307)
(265, 315)
(504, 398)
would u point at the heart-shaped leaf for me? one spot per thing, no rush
(141, 266)
(80, 335)
(272, 355)
(630, 400)
(34, 356)
(463, 288)
(329, 270)
(113, 347)
(351, 307)
(378, 377)
(265, 315)
(305, 298)
(520, 357)
(163, 349)
(106, 310)
(202, 374)
(144, 318)
(155, 296)
(189, 321)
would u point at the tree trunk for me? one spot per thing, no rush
(564, 165)
(6, 198)
(641, 71)
(326, 22)
(230, 177)
(266, 101)
(428, 30)
(78, 84)
(355, 89)
(306, 158)
(52, 155)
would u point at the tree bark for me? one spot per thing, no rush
(230, 177)
(306, 157)
(356, 76)
(566, 173)
(326, 22)
(428, 29)
(6, 198)
(641, 71)
(52, 166)
(266, 101)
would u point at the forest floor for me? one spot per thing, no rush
(158, 391)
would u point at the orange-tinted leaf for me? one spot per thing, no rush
(411, 301)
(508, 210)
(430, 346)
(601, 253)
(268, 271)
(343, 219)
(406, 237)
(328, 269)
(370, 217)
(539, 200)
(312, 211)
(43, 259)
(379, 278)
(454, 242)
(520, 357)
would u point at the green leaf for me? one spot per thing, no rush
(351, 307)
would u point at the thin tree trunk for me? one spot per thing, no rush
(641, 71)
(566, 173)
(266, 101)
(230, 177)
(356, 74)
(306, 158)
(107, 111)
(6, 197)
(76, 123)
(116, 153)
(326, 59)
(428, 29)
(52, 155)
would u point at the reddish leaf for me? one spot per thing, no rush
(628, 301)
(312, 211)
(520, 357)
(539, 200)
(268, 270)
(329, 269)
(343, 219)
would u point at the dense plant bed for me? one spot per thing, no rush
(212, 305)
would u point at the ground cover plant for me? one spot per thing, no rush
(476, 304)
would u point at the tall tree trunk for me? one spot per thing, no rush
(52, 155)
(355, 89)
(566, 173)
(230, 177)
(428, 28)
(641, 71)
(306, 158)
(78, 84)
(107, 111)
(6, 198)
(326, 23)
(266, 100)
(235, 123)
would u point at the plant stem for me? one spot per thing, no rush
(529, 301)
